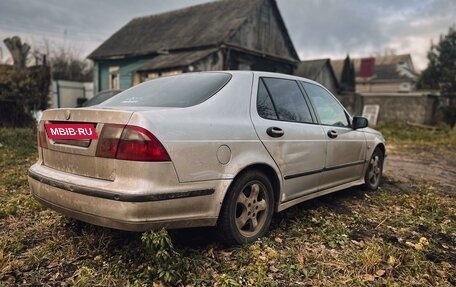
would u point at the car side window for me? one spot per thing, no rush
(326, 106)
(288, 100)
(264, 103)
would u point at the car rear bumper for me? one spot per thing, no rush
(185, 205)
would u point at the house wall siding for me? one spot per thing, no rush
(237, 60)
(126, 72)
(327, 80)
(213, 62)
(262, 32)
(96, 77)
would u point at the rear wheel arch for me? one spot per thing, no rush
(249, 204)
(270, 173)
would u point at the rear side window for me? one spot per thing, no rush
(327, 107)
(179, 91)
(264, 103)
(287, 100)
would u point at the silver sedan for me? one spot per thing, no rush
(225, 149)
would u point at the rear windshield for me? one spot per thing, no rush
(179, 91)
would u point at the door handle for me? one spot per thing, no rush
(332, 134)
(275, 132)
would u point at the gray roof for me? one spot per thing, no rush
(174, 60)
(387, 72)
(310, 69)
(387, 64)
(202, 25)
(386, 67)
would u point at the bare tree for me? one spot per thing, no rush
(65, 61)
(68, 66)
(19, 51)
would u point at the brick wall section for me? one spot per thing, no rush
(416, 108)
(352, 103)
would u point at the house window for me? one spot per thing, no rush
(171, 73)
(244, 66)
(405, 87)
(114, 79)
(151, 76)
(154, 75)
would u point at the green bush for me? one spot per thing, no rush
(168, 265)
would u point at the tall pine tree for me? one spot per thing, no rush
(441, 73)
(348, 76)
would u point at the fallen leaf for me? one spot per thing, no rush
(408, 243)
(380, 272)
(273, 269)
(53, 264)
(225, 253)
(278, 240)
(355, 242)
(419, 246)
(368, 277)
(441, 273)
(210, 253)
(423, 241)
(97, 258)
(391, 260)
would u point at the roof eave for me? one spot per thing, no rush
(153, 53)
(261, 54)
(209, 52)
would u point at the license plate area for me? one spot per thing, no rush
(72, 142)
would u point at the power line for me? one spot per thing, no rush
(70, 33)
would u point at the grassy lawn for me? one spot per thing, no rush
(404, 234)
(406, 137)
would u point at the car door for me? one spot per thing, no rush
(288, 129)
(345, 147)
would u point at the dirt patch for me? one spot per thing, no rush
(422, 164)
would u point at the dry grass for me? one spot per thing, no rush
(402, 235)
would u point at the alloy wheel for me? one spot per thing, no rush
(251, 209)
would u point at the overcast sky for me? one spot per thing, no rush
(318, 28)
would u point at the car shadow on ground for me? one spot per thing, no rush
(202, 237)
(198, 238)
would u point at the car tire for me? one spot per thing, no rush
(247, 209)
(374, 170)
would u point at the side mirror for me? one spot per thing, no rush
(359, 123)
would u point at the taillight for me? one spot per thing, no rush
(130, 143)
(108, 141)
(42, 142)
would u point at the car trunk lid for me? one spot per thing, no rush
(78, 156)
